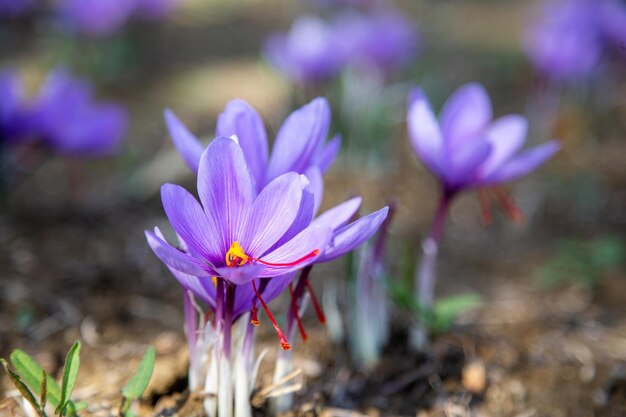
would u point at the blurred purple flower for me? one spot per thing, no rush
(377, 42)
(309, 53)
(13, 8)
(155, 9)
(465, 148)
(68, 121)
(14, 114)
(96, 18)
(569, 38)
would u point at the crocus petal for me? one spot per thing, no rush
(506, 135)
(524, 163)
(328, 154)
(425, 134)
(465, 163)
(303, 244)
(303, 218)
(339, 215)
(187, 145)
(314, 175)
(174, 258)
(354, 234)
(272, 213)
(190, 222)
(226, 189)
(299, 137)
(240, 275)
(465, 114)
(240, 119)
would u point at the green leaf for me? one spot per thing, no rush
(139, 382)
(446, 309)
(70, 371)
(22, 388)
(43, 389)
(31, 371)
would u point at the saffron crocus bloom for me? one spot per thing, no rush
(309, 53)
(70, 122)
(95, 18)
(379, 42)
(14, 114)
(466, 149)
(569, 38)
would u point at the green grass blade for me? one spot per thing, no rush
(139, 382)
(22, 388)
(31, 372)
(70, 371)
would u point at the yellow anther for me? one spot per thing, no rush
(236, 256)
(214, 279)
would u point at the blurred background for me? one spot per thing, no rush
(84, 148)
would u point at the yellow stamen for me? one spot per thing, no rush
(236, 256)
(214, 279)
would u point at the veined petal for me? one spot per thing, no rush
(466, 113)
(506, 135)
(299, 138)
(240, 119)
(241, 274)
(174, 258)
(185, 142)
(190, 222)
(303, 244)
(226, 190)
(354, 234)
(314, 175)
(272, 213)
(329, 153)
(339, 215)
(525, 163)
(303, 218)
(425, 134)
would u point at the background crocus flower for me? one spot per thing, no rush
(70, 122)
(568, 40)
(379, 41)
(155, 9)
(14, 112)
(95, 18)
(466, 149)
(13, 8)
(309, 53)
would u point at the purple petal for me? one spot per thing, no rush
(466, 113)
(506, 135)
(314, 175)
(272, 213)
(328, 154)
(190, 222)
(466, 162)
(425, 135)
(303, 218)
(185, 142)
(339, 215)
(354, 234)
(305, 243)
(226, 190)
(240, 119)
(299, 138)
(174, 258)
(524, 163)
(240, 275)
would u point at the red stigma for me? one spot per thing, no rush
(287, 264)
(254, 318)
(318, 309)
(283, 340)
(296, 313)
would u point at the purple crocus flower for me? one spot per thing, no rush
(14, 8)
(570, 37)
(14, 114)
(95, 18)
(69, 122)
(236, 235)
(378, 42)
(309, 53)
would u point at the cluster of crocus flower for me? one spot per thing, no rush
(466, 149)
(569, 38)
(316, 50)
(254, 227)
(63, 117)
